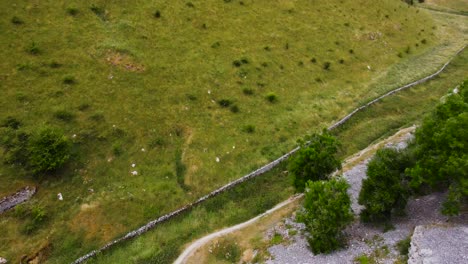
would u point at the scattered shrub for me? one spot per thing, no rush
(386, 187)
(248, 91)
(72, 11)
(237, 63)
(17, 21)
(98, 11)
(84, 106)
(117, 149)
(191, 97)
(69, 80)
(64, 115)
(54, 65)
(49, 149)
(423, 41)
(351, 51)
(341, 61)
(33, 49)
(157, 14)
(234, 109)
(313, 60)
(404, 245)
(249, 129)
(326, 65)
(327, 211)
(315, 160)
(271, 97)
(11, 122)
(224, 102)
(216, 45)
(276, 239)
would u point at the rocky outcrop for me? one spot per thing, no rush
(433, 244)
(19, 197)
(3, 261)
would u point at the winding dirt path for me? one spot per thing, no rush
(348, 164)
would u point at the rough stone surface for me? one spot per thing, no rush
(3, 261)
(439, 244)
(17, 198)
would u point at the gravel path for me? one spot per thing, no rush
(365, 239)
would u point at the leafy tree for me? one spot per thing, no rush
(327, 211)
(442, 150)
(386, 187)
(49, 149)
(315, 160)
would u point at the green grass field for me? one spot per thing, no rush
(124, 77)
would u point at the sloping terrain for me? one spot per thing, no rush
(193, 93)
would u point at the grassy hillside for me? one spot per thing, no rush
(174, 87)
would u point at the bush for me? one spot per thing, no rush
(248, 91)
(271, 97)
(249, 129)
(64, 115)
(33, 49)
(441, 156)
(315, 160)
(327, 211)
(326, 65)
(72, 11)
(224, 102)
(17, 21)
(386, 187)
(49, 149)
(69, 80)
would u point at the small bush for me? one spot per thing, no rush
(249, 129)
(403, 246)
(276, 239)
(117, 149)
(17, 21)
(327, 211)
(313, 60)
(11, 122)
(84, 106)
(33, 49)
(72, 11)
(54, 65)
(98, 11)
(315, 160)
(224, 102)
(237, 63)
(341, 61)
(234, 109)
(408, 50)
(351, 51)
(49, 150)
(326, 65)
(69, 80)
(157, 14)
(64, 115)
(423, 41)
(386, 187)
(248, 91)
(271, 97)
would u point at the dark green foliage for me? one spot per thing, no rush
(316, 159)
(69, 80)
(313, 60)
(249, 129)
(327, 211)
(48, 150)
(64, 115)
(271, 97)
(326, 65)
(224, 102)
(72, 11)
(157, 14)
(99, 11)
(234, 109)
(17, 21)
(15, 145)
(386, 187)
(33, 49)
(442, 150)
(11, 122)
(248, 91)
(404, 245)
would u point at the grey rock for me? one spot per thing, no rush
(3, 261)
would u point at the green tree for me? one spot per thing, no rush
(315, 160)
(442, 151)
(327, 211)
(49, 149)
(386, 187)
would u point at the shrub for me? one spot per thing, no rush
(271, 97)
(98, 11)
(17, 21)
(327, 211)
(341, 61)
(69, 80)
(157, 14)
(326, 65)
(315, 160)
(33, 49)
(248, 91)
(441, 156)
(49, 149)
(234, 109)
(64, 115)
(72, 11)
(224, 102)
(313, 60)
(249, 129)
(11, 122)
(386, 187)
(237, 63)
